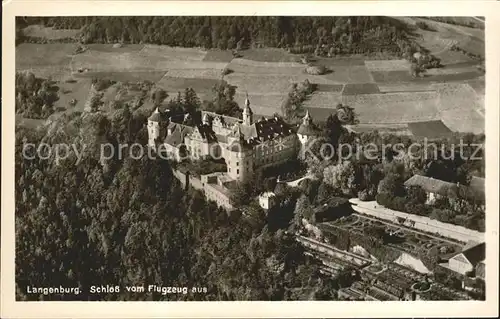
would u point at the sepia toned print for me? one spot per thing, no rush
(241, 158)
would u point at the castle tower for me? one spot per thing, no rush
(206, 119)
(154, 127)
(307, 130)
(239, 159)
(247, 112)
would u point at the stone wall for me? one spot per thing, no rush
(422, 223)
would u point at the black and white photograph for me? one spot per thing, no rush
(250, 158)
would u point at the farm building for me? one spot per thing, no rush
(466, 261)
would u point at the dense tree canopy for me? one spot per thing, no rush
(328, 36)
(126, 221)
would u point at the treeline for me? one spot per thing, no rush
(126, 221)
(322, 35)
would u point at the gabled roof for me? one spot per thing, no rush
(431, 185)
(267, 129)
(474, 252)
(178, 134)
(308, 129)
(206, 132)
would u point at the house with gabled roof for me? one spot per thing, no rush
(472, 255)
(436, 188)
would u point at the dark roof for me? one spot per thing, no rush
(429, 129)
(155, 117)
(431, 185)
(229, 120)
(267, 129)
(475, 252)
(308, 129)
(206, 132)
(477, 186)
(178, 134)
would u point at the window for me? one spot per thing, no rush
(237, 163)
(238, 172)
(229, 169)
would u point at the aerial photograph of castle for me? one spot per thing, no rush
(235, 158)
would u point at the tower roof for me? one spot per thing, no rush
(247, 108)
(307, 127)
(155, 116)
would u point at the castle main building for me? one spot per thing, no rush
(245, 144)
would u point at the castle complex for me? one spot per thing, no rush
(245, 144)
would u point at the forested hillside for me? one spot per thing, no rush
(128, 222)
(322, 35)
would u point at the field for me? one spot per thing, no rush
(394, 108)
(383, 94)
(152, 76)
(33, 56)
(324, 100)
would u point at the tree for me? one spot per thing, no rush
(159, 96)
(391, 184)
(341, 176)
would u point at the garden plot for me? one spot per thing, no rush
(328, 100)
(387, 65)
(394, 108)
(40, 31)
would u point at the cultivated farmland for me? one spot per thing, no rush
(382, 92)
(328, 100)
(394, 107)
